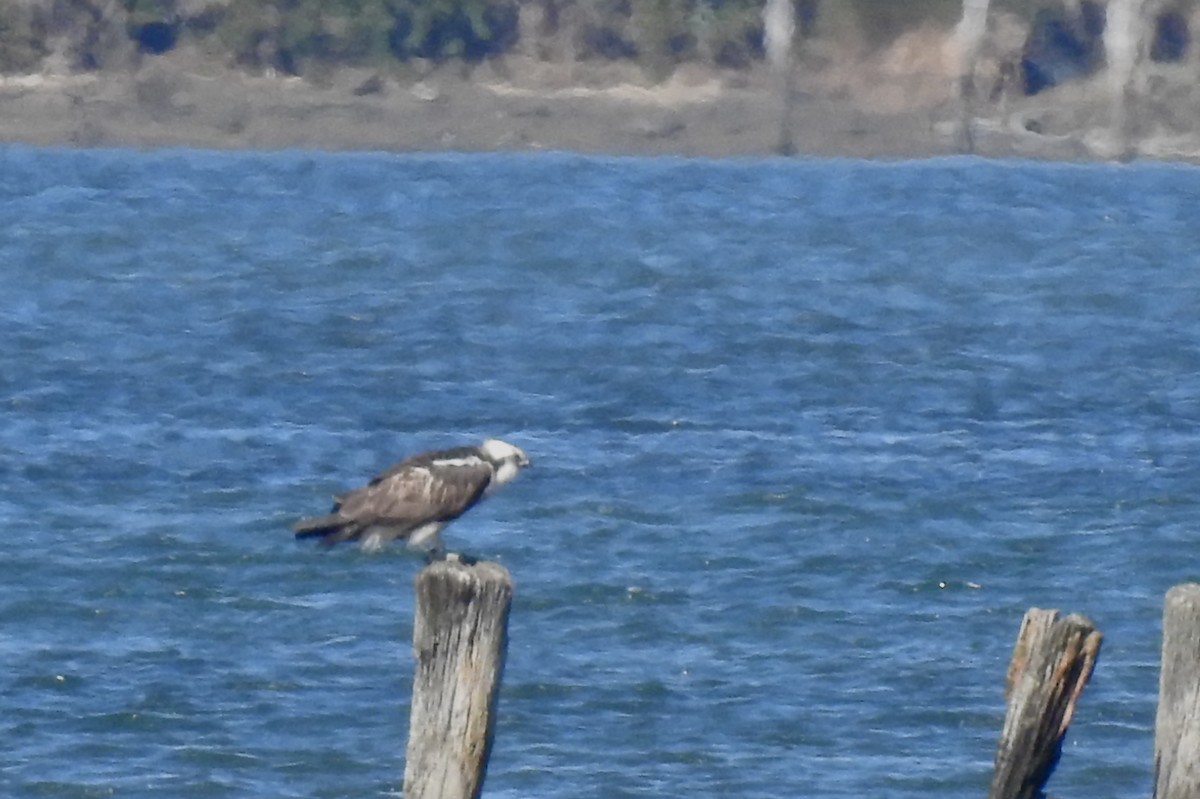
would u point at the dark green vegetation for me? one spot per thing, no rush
(305, 36)
(314, 37)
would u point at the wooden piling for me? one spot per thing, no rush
(460, 636)
(1177, 724)
(1052, 661)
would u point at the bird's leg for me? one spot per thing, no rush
(452, 557)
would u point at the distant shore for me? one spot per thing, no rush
(527, 106)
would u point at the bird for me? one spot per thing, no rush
(414, 499)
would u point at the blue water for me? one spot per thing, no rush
(808, 437)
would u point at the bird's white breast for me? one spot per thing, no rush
(425, 537)
(504, 474)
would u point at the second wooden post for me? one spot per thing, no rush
(1177, 725)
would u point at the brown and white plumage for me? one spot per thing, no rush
(417, 497)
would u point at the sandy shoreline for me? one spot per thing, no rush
(174, 103)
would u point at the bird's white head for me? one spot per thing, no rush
(507, 459)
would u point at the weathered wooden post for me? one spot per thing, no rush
(1177, 725)
(460, 636)
(1052, 661)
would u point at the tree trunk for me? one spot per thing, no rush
(1124, 35)
(968, 41)
(779, 29)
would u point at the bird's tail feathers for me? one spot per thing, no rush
(330, 528)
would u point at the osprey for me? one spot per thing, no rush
(417, 497)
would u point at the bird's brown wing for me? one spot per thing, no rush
(420, 490)
(427, 459)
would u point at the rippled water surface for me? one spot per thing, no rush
(809, 438)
